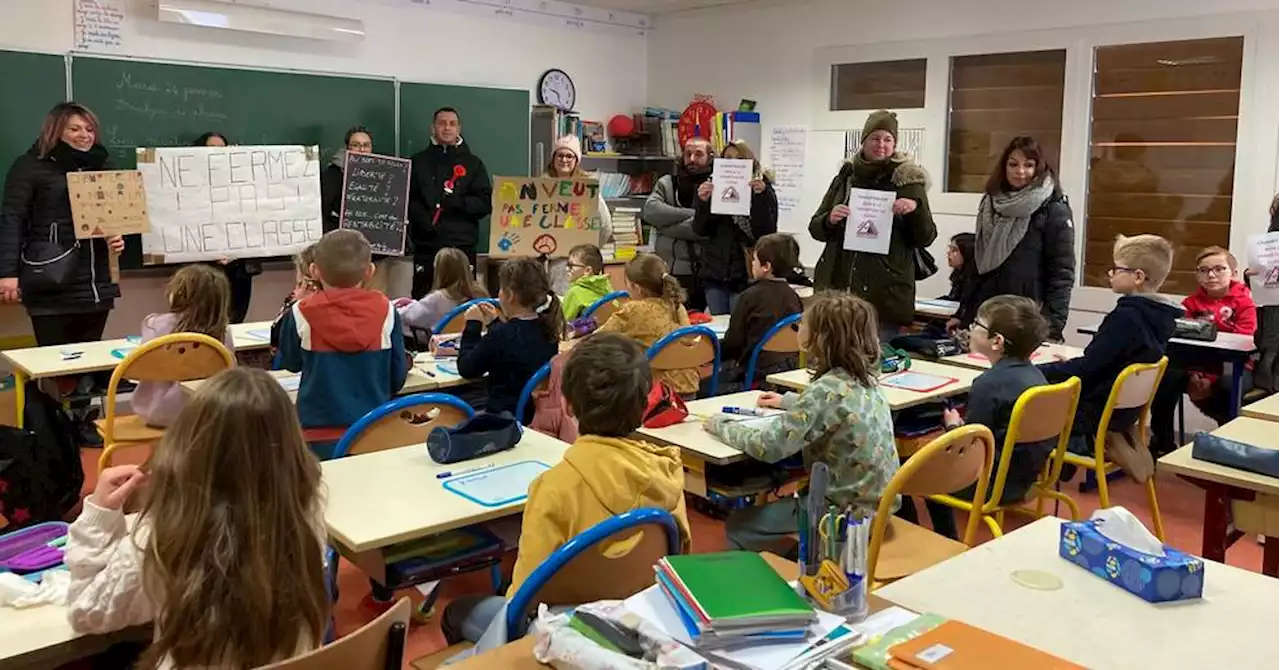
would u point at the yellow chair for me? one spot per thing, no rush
(954, 460)
(178, 357)
(688, 347)
(1135, 388)
(1041, 413)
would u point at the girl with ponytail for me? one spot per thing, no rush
(656, 308)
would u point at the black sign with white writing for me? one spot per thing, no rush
(375, 200)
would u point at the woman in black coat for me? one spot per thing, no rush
(64, 283)
(1025, 243)
(723, 270)
(359, 140)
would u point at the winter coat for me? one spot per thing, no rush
(460, 212)
(886, 281)
(1042, 267)
(331, 191)
(36, 206)
(724, 251)
(672, 221)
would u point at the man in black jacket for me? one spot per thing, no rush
(449, 193)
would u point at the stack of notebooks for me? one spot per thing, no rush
(706, 591)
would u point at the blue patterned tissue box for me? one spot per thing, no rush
(1157, 579)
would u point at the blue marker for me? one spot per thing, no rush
(744, 411)
(455, 473)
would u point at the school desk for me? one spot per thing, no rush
(1251, 499)
(898, 398)
(1090, 621)
(698, 448)
(379, 499)
(416, 382)
(1229, 348)
(936, 309)
(1268, 408)
(1045, 354)
(41, 637)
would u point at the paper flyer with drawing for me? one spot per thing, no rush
(731, 186)
(870, 222)
(1264, 259)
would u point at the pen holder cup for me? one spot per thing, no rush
(820, 590)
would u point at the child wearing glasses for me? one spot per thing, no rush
(587, 281)
(1136, 331)
(1227, 302)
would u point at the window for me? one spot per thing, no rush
(1162, 150)
(995, 98)
(897, 84)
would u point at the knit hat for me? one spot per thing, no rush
(569, 142)
(881, 120)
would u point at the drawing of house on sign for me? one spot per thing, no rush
(868, 229)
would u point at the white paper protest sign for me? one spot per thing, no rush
(870, 223)
(731, 186)
(209, 203)
(1264, 261)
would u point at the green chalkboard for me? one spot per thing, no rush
(495, 123)
(32, 85)
(141, 103)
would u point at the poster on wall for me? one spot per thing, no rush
(543, 216)
(211, 203)
(99, 24)
(786, 155)
(375, 200)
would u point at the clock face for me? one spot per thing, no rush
(696, 120)
(556, 89)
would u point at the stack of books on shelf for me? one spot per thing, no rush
(614, 184)
(626, 233)
(706, 591)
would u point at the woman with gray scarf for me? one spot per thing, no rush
(1025, 243)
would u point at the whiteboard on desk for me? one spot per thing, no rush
(824, 153)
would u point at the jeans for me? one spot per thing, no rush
(720, 300)
(467, 617)
(55, 329)
(765, 528)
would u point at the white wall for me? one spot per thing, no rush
(411, 43)
(780, 57)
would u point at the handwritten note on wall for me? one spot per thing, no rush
(786, 155)
(208, 203)
(99, 25)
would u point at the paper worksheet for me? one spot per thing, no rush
(731, 186)
(870, 222)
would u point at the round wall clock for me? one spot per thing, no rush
(555, 88)
(696, 120)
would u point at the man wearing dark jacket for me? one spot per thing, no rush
(669, 212)
(449, 193)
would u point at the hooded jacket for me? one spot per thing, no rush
(599, 477)
(724, 255)
(583, 293)
(887, 281)
(36, 206)
(331, 190)
(460, 211)
(1234, 312)
(348, 345)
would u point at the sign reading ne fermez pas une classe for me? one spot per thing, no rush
(210, 203)
(543, 216)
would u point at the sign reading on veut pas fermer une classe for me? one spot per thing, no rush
(543, 216)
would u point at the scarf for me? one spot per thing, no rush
(687, 181)
(1003, 219)
(75, 160)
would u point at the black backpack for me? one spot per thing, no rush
(40, 469)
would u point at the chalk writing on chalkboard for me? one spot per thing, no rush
(375, 199)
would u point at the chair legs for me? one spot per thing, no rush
(993, 526)
(1100, 471)
(1155, 508)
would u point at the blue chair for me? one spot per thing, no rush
(625, 546)
(526, 395)
(782, 337)
(688, 347)
(389, 425)
(604, 308)
(453, 321)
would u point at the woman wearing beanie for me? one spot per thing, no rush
(566, 162)
(887, 281)
(1025, 245)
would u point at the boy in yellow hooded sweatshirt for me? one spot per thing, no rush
(604, 473)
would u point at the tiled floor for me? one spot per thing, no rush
(1181, 508)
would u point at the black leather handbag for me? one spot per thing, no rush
(46, 264)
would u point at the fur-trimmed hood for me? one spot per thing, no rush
(906, 172)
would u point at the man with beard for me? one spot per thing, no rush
(669, 210)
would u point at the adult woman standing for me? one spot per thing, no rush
(723, 271)
(64, 283)
(887, 281)
(565, 163)
(239, 271)
(1025, 245)
(358, 140)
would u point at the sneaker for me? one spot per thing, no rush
(1135, 460)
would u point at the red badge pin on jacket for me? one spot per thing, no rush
(458, 173)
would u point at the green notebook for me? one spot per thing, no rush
(738, 587)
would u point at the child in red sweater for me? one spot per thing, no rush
(1227, 302)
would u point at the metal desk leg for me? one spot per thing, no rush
(19, 394)
(1237, 380)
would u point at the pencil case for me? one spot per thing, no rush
(1238, 455)
(31, 549)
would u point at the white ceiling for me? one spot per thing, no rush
(655, 7)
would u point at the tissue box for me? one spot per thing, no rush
(1174, 576)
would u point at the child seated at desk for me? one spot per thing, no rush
(303, 285)
(656, 308)
(604, 472)
(766, 301)
(841, 419)
(587, 281)
(231, 504)
(452, 284)
(198, 298)
(1136, 331)
(1228, 304)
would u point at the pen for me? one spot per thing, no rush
(425, 371)
(803, 518)
(455, 473)
(743, 411)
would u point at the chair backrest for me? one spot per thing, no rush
(526, 395)
(1041, 413)
(453, 321)
(611, 560)
(604, 308)
(688, 347)
(950, 462)
(401, 422)
(1135, 388)
(378, 645)
(782, 337)
(177, 357)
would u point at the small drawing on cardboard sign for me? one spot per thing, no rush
(545, 245)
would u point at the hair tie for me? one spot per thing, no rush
(546, 304)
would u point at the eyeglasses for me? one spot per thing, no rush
(360, 145)
(1215, 270)
(987, 328)
(1120, 269)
